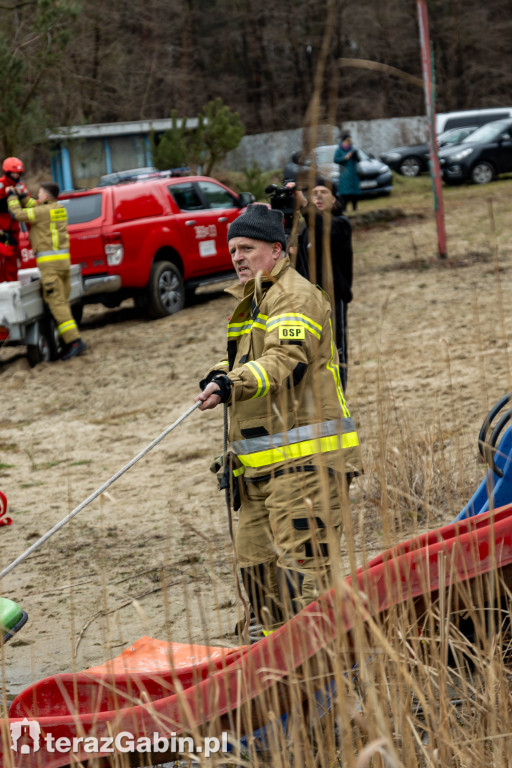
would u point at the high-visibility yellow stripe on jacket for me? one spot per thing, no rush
(296, 443)
(289, 319)
(238, 329)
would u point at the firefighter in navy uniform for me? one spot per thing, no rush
(9, 227)
(293, 444)
(49, 237)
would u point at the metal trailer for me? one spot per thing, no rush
(26, 320)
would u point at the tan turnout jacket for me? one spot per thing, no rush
(287, 403)
(48, 229)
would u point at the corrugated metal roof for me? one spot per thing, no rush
(95, 130)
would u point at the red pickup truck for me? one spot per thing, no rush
(154, 240)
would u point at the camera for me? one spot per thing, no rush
(281, 198)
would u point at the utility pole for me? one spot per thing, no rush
(429, 88)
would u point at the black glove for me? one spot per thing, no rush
(204, 382)
(224, 387)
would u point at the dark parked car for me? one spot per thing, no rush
(482, 156)
(413, 159)
(375, 176)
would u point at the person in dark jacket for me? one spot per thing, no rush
(325, 257)
(349, 187)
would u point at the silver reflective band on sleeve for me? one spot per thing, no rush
(296, 435)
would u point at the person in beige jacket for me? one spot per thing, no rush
(292, 440)
(49, 238)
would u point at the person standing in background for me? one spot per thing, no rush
(325, 257)
(349, 188)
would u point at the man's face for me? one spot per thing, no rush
(323, 199)
(252, 256)
(42, 195)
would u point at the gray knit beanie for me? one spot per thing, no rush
(259, 223)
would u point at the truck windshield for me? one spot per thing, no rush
(82, 209)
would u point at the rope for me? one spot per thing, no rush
(97, 493)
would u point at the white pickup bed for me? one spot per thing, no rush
(26, 317)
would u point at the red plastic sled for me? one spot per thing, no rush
(173, 689)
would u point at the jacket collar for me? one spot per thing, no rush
(260, 284)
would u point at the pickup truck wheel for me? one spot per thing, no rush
(166, 291)
(77, 310)
(49, 331)
(40, 352)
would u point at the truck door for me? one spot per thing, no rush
(85, 232)
(226, 207)
(205, 251)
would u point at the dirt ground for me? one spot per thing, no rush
(429, 354)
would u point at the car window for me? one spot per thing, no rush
(478, 118)
(487, 132)
(82, 209)
(217, 196)
(454, 136)
(186, 197)
(325, 154)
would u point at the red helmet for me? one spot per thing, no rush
(13, 165)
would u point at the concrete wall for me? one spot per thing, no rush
(272, 150)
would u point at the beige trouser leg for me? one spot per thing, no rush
(292, 524)
(56, 288)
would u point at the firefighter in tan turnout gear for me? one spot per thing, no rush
(293, 444)
(49, 238)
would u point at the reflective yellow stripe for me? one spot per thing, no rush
(31, 214)
(299, 450)
(334, 369)
(30, 203)
(291, 318)
(238, 329)
(52, 257)
(238, 471)
(55, 234)
(69, 325)
(260, 374)
(58, 214)
(267, 632)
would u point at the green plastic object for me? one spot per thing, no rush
(12, 617)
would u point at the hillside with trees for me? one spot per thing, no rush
(88, 61)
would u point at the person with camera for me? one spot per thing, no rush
(324, 255)
(349, 187)
(293, 446)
